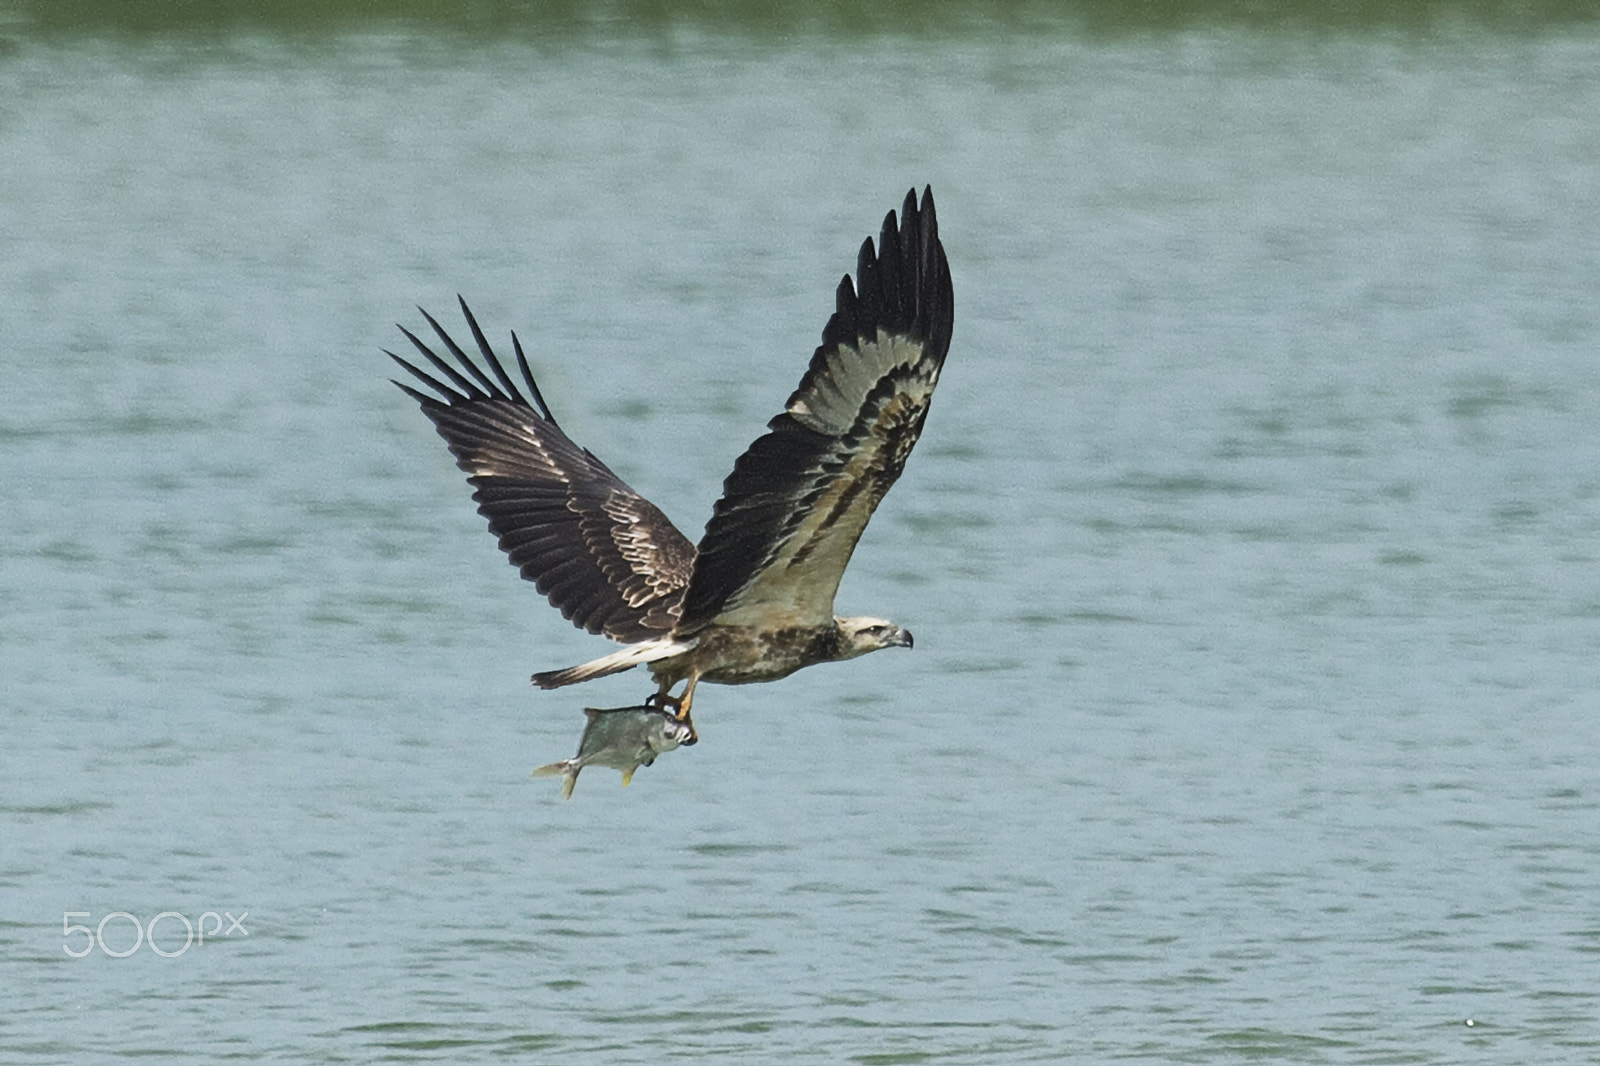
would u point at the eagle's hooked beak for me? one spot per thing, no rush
(902, 638)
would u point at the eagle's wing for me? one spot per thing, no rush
(602, 553)
(798, 499)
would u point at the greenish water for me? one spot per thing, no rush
(532, 19)
(1250, 547)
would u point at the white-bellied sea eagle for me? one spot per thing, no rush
(754, 600)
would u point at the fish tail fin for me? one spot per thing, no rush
(568, 771)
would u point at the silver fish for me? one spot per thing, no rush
(623, 738)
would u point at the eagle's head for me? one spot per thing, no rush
(861, 635)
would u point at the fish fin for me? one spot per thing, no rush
(567, 768)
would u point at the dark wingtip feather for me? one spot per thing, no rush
(481, 388)
(467, 389)
(421, 397)
(487, 352)
(444, 391)
(902, 283)
(454, 386)
(533, 386)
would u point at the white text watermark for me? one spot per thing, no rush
(128, 934)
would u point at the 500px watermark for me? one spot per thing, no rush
(193, 932)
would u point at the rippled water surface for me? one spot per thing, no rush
(1250, 549)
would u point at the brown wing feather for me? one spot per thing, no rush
(603, 554)
(799, 498)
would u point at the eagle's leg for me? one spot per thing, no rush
(678, 705)
(686, 699)
(661, 699)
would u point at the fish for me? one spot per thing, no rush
(623, 738)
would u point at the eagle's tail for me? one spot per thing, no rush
(646, 651)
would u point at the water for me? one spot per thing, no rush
(1250, 548)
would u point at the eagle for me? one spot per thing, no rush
(753, 601)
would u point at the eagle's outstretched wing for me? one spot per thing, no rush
(603, 554)
(800, 496)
